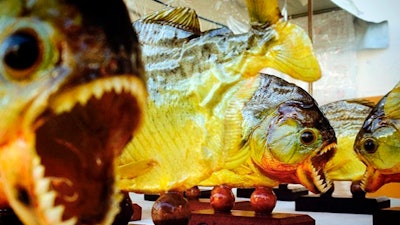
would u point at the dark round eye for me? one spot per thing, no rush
(307, 137)
(370, 145)
(21, 54)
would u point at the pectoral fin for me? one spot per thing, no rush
(234, 144)
(135, 169)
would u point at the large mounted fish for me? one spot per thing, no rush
(209, 109)
(71, 96)
(378, 142)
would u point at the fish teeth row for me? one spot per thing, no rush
(364, 180)
(97, 89)
(327, 149)
(46, 197)
(322, 184)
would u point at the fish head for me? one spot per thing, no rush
(72, 96)
(294, 142)
(377, 143)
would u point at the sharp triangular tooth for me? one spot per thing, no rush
(314, 171)
(42, 185)
(97, 92)
(318, 177)
(325, 188)
(54, 214)
(108, 85)
(71, 221)
(320, 182)
(65, 107)
(38, 172)
(82, 98)
(117, 86)
(329, 185)
(47, 199)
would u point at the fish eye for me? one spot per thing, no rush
(370, 145)
(21, 54)
(307, 137)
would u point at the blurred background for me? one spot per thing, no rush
(356, 41)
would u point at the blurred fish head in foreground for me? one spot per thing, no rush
(295, 141)
(378, 142)
(72, 96)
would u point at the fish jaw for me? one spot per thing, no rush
(312, 173)
(374, 179)
(67, 162)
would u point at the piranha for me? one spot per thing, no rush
(377, 143)
(72, 96)
(346, 117)
(209, 109)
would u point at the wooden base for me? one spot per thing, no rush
(203, 214)
(341, 204)
(240, 217)
(137, 212)
(387, 216)
(282, 193)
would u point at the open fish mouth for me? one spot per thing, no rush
(78, 138)
(371, 180)
(320, 183)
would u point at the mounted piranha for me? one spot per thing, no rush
(378, 142)
(212, 118)
(72, 96)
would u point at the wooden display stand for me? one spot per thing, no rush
(356, 205)
(387, 216)
(242, 214)
(137, 212)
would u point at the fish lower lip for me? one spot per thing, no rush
(77, 149)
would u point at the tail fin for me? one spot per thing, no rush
(290, 51)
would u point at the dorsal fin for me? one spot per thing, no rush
(362, 101)
(392, 104)
(263, 12)
(181, 17)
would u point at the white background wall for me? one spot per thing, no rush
(379, 70)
